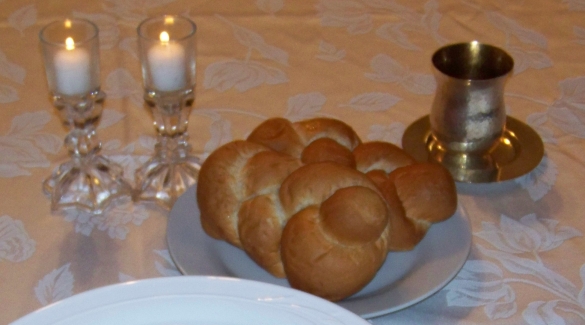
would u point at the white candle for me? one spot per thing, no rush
(167, 65)
(72, 70)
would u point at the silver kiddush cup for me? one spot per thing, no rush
(468, 115)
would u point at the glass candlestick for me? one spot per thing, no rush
(167, 46)
(88, 180)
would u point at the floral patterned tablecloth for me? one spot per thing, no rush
(366, 62)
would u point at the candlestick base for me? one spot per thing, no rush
(89, 183)
(168, 174)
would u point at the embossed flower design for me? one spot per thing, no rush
(115, 220)
(527, 235)
(15, 243)
(568, 111)
(492, 285)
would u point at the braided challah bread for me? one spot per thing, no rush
(310, 202)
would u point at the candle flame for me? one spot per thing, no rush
(69, 44)
(169, 20)
(67, 23)
(164, 37)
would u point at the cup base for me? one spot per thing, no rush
(88, 183)
(162, 179)
(464, 167)
(519, 151)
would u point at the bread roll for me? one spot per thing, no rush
(317, 128)
(378, 159)
(279, 135)
(325, 149)
(292, 139)
(219, 193)
(310, 202)
(234, 173)
(333, 245)
(427, 191)
(410, 188)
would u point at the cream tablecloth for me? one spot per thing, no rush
(366, 62)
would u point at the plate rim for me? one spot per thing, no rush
(352, 306)
(179, 286)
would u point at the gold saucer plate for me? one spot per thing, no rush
(519, 151)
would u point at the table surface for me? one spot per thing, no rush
(366, 62)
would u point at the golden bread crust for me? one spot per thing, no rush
(310, 202)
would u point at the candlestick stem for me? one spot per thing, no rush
(172, 168)
(80, 116)
(167, 48)
(88, 180)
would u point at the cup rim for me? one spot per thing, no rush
(94, 28)
(162, 17)
(506, 59)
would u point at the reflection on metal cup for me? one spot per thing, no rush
(468, 114)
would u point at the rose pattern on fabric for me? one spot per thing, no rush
(23, 18)
(55, 286)
(8, 94)
(512, 28)
(115, 220)
(356, 16)
(59, 283)
(126, 156)
(390, 133)
(165, 267)
(12, 72)
(299, 107)
(575, 5)
(518, 245)
(528, 235)
(241, 75)
(132, 12)
(130, 47)
(121, 84)
(221, 133)
(386, 69)
(329, 52)
(538, 122)
(108, 26)
(528, 59)
(482, 284)
(372, 102)
(303, 106)
(539, 181)
(24, 145)
(529, 50)
(15, 243)
(568, 111)
(246, 74)
(270, 6)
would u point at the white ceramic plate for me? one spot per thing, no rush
(192, 300)
(405, 278)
